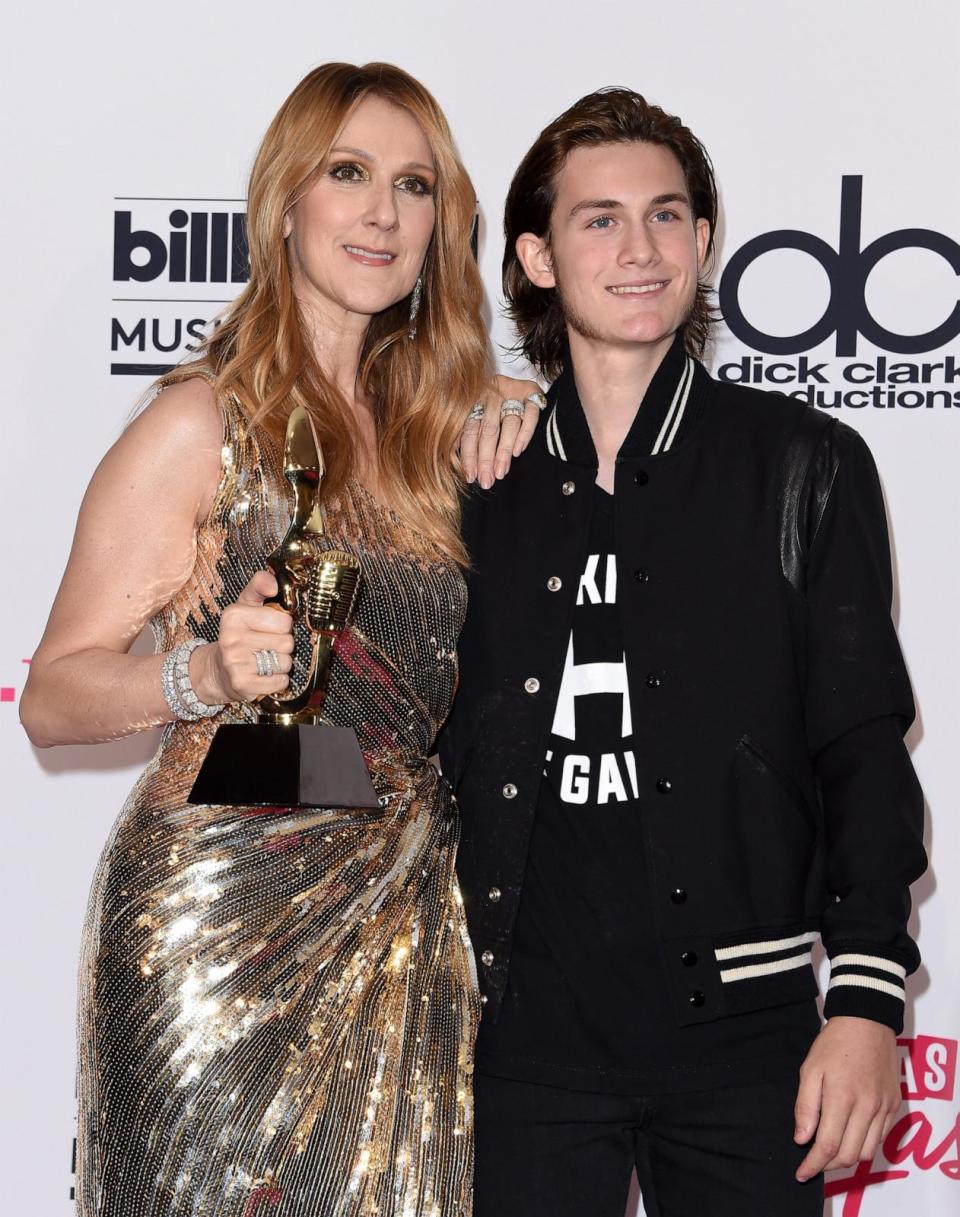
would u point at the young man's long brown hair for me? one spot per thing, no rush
(609, 116)
(421, 389)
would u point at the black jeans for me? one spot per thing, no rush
(545, 1152)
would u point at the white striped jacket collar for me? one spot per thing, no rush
(667, 410)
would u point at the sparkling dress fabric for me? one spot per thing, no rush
(278, 1006)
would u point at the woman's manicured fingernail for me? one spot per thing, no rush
(500, 468)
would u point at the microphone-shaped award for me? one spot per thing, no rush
(290, 757)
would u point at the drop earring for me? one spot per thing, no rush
(415, 307)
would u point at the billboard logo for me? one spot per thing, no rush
(196, 247)
(176, 263)
(847, 267)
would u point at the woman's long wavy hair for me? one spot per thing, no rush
(608, 116)
(421, 389)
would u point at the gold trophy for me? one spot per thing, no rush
(290, 757)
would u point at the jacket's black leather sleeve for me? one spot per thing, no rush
(858, 706)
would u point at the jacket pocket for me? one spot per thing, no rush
(768, 843)
(790, 785)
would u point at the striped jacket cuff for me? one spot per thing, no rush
(866, 985)
(755, 959)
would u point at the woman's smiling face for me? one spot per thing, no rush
(357, 239)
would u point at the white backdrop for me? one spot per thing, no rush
(154, 109)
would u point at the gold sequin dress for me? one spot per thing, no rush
(277, 1006)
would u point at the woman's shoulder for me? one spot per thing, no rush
(186, 411)
(173, 444)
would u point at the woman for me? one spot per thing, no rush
(278, 1007)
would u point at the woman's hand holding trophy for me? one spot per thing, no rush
(227, 670)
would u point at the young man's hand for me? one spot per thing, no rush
(849, 1093)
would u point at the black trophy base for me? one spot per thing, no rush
(263, 765)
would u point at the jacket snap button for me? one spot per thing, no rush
(531, 684)
(688, 959)
(554, 583)
(678, 895)
(509, 791)
(487, 958)
(653, 681)
(641, 574)
(569, 487)
(696, 998)
(641, 477)
(664, 785)
(494, 894)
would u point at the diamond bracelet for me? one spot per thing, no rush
(178, 692)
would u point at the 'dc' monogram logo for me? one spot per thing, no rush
(847, 268)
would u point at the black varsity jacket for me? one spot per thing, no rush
(778, 797)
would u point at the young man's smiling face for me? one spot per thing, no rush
(624, 250)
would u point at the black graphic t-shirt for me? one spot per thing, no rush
(586, 1004)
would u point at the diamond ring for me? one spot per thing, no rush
(268, 662)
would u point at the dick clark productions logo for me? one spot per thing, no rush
(847, 267)
(879, 381)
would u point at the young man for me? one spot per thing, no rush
(678, 743)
